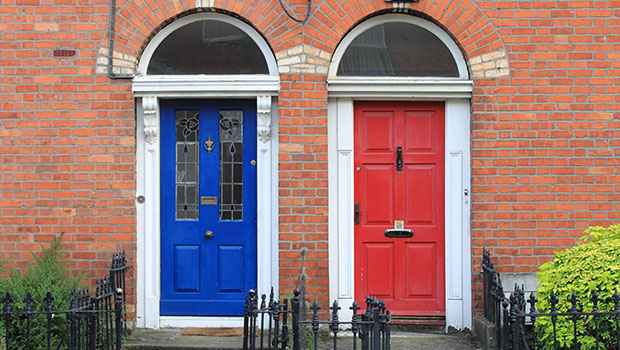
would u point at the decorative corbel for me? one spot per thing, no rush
(150, 106)
(263, 109)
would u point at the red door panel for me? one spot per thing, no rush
(378, 133)
(380, 211)
(407, 272)
(419, 178)
(380, 273)
(420, 282)
(419, 130)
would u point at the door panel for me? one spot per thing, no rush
(421, 282)
(230, 269)
(399, 183)
(186, 268)
(381, 209)
(380, 276)
(419, 184)
(420, 133)
(378, 132)
(208, 206)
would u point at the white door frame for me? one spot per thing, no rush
(456, 93)
(149, 90)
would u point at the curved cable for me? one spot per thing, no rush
(293, 17)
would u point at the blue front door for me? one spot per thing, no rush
(208, 206)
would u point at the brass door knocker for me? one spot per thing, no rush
(209, 145)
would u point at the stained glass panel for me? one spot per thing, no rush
(187, 151)
(231, 165)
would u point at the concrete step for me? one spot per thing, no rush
(173, 339)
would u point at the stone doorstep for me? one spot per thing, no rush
(170, 339)
(486, 332)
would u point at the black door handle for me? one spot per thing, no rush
(399, 158)
(357, 213)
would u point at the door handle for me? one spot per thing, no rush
(399, 158)
(357, 213)
(208, 234)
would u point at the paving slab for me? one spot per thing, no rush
(171, 339)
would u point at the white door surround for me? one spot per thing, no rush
(149, 90)
(456, 93)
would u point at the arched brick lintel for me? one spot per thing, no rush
(136, 25)
(138, 21)
(468, 26)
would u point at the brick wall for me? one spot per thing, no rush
(545, 122)
(67, 137)
(303, 181)
(545, 140)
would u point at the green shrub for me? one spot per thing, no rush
(592, 265)
(46, 272)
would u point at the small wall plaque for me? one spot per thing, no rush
(399, 224)
(208, 200)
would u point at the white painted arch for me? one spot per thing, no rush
(149, 91)
(456, 94)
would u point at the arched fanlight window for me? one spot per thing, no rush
(398, 49)
(208, 47)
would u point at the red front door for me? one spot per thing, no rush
(399, 187)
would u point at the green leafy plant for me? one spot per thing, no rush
(592, 265)
(46, 272)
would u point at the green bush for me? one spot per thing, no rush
(46, 272)
(592, 265)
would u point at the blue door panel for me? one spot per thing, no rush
(203, 275)
(230, 269)
(186, 268)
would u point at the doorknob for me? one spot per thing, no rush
(399, 159)
(208, 234)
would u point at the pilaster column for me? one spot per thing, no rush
(266, 237)
(150, 121)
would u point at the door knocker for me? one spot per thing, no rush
(399, 159)
(209, 145)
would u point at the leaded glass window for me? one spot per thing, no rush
(187, 152)
(208, 47)
(397, 49)
(231, 165)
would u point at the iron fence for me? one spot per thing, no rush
(523, 329)
(274, 325)
(493, 293)
(271, 324)
(95, 318)
(563, 324)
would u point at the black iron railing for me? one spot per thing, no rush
(95, 319)
(493, 293)
(267, 324)
(522, 329)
